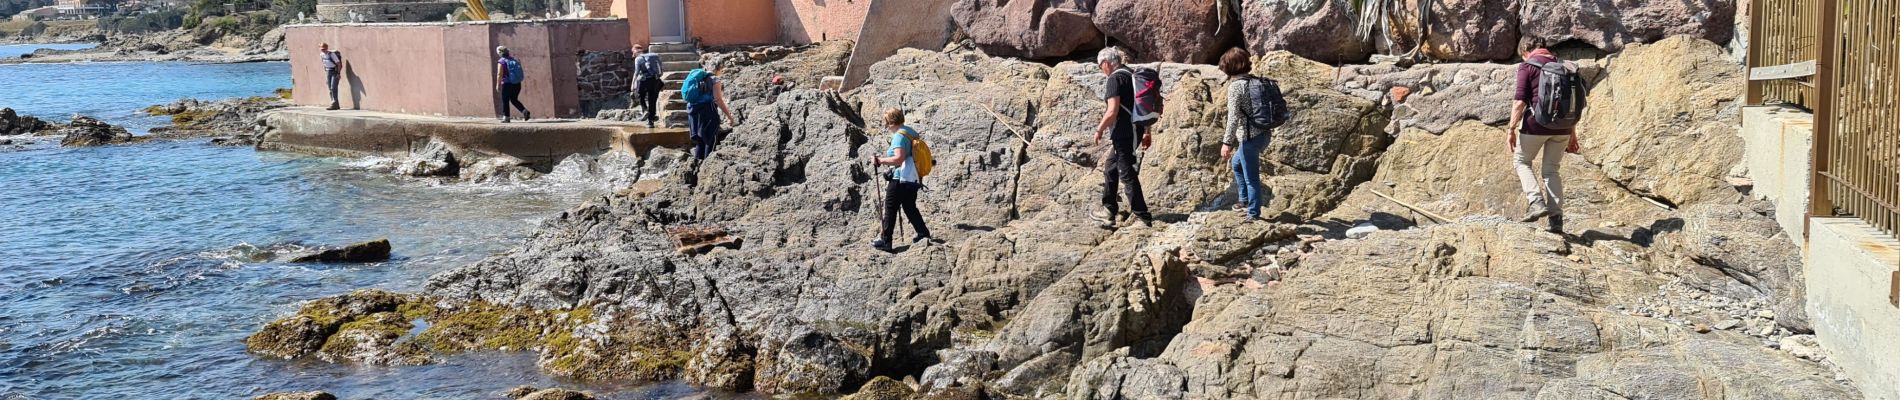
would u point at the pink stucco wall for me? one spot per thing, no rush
(811, 21)
(732, 22)
(447, 69)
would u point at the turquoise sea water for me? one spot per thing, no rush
(122, 272)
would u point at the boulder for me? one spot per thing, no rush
(557, 394)
(1457, 30)
(297, 396)
(86, 131)
(882, 388)
(362, 326)
(1035, 29)
(1659, 103)
(1612, 25)
(370, 251)
(1321, 30)
(1187, 31)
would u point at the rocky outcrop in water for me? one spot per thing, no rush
(86, 131)
(1023, 297)
(530, 393)
(233, 119)
(370, 251)
(297, 396)
(12, 123)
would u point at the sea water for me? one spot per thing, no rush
(125, 270)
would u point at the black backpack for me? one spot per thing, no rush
(1267, 106)
(1559, 100)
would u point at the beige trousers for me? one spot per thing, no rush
(1551, 147)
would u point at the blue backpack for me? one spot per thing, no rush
(698, 87)
(514, 70)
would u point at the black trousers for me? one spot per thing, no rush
(1119, 168)
(900, 194)
(649, 97)
(511, 95)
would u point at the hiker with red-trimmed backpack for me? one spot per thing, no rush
(1127, 119)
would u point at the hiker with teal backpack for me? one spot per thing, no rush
(702, 92)
(912, 157)
(508, 77)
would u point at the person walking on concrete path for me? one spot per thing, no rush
(1119, 166)
(646, 82)
(702, 91)
(1533, 138)
(1254, 108)
(508, 76)
(332, 71)
(905, 181)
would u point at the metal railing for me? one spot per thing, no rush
(1841, 59)
(1860, 120)
(1783, 33)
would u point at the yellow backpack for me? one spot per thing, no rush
(919, 152)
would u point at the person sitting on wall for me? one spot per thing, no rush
(508, 77)
(646, 82)
(332, 71)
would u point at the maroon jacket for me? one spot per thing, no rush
(1527, 92)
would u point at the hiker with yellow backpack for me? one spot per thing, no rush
(912, 157)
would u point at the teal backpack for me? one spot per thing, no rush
(698, 87)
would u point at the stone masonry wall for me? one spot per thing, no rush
(605, 74)
(604, 79)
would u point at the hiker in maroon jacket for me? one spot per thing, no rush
(1530, 140)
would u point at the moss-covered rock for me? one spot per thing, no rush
(882, 388)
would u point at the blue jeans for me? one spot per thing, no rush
(702, 123)
(1246, 163)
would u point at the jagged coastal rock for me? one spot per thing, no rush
(12, 123)
(370, 251)
(297, 396)
(86, 131)
(235, 119)
(1023, 297)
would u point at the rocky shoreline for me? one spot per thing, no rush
(1671, 283)
(231, 122)
(178, 45)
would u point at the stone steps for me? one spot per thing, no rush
(673, 48)
(679, 66)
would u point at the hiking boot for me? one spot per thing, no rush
(526, 116)
(649, 124)
(881, 244)
(1538, 210)
(1557, 224)
(920, 241)
(1147, 221)
(333, 107)
(1103, 216)
(506, 120)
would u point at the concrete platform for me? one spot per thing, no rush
(541, 142)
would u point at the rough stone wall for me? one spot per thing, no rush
(604, 80)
